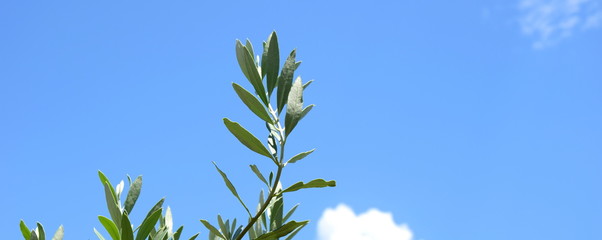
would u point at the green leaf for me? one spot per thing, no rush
(226, 231)
(294, 107)
(258, 173)
(110, 227)
(118, 190)
(194, 236)
(290, 213)
(290, 236)
(126, 228)
(249, 47)
(238, 231)
(316, 183)
(212, 229)
(99, 235)
(231, 187)
(270, 62)
(285, 80)
(248, 67)
(246, 138)
(41, 232)
(300, 156)
(276, 214)
(148, 224)
(112, 205)
(270, 177)
(306, 110)
(252, 103)
(305, 85)
(133, 194)
(233, 227)
(222, 227)
(282, 231)
(33, 235)
(24, 230)
(58, 235)
(161, 234)
(104, 179)
(176, 235)
(168, 220)
(157, 206)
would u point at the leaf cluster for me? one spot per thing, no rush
(272, 94)
(155, 226)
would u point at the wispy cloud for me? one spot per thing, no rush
(342, 223)
(550, 21)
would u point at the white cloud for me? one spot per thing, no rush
(342, 223)
(551, 21)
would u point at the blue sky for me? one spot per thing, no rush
(461, 119)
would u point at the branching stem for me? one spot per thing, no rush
(276, 181)
(264, 206)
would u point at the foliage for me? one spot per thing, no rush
(269, 220)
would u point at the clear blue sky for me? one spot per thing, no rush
(465, 119)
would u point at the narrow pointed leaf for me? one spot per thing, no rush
(290, 213)
(58, 235)
(226, 230)
(270, 178)
(316, 183)
(306, 110)
(41, 232)
(300, 156)
(100, 235)
(126, 228)
(176, 235)
(169, 220)
(104, 179)
(237, 232)
(112, 205)
(231, 187)
(249, 47)
(148, 224)
(194, 237)
(252, 103)
(249, 69)
(162, 234)
(246, 138)
(285, 80)
(294, 106)
(110, 227)
(276, 214)
(233, 227)
(282, 231)
(290, 236)
(305, 85)
(157, 206)
(212, 229)
(258, 173)
(33, 235)
(270, 62)
(24, 230)
(152, 234)
(222, 226)
(119, 189)
(133, 194)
